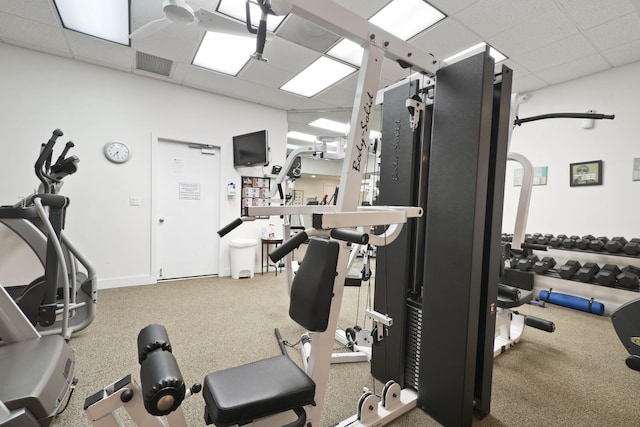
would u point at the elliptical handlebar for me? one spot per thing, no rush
(43, 163)
(48, 173)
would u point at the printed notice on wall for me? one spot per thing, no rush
(188, 191)
(177, 166)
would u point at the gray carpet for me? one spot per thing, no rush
(574, 377)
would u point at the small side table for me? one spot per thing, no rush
(265, 245)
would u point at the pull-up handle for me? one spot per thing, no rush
(594, 116)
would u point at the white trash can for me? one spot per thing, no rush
(243, 255)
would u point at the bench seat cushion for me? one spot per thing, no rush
(255, 390)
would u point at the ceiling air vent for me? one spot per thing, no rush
(153, 64)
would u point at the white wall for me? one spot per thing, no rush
(606, 210)
(610, 209)
(93, 105)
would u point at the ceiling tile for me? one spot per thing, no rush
(34, 10)
(540, 30)
(624, 54)
(617, 32)
(527, 83)
(98, 51)
(285, 55)
(342, 94)
(446, 38)
(588, 14)
(307, 34)
(177, 42)
(265, 74)
(364, 8)
(451, 7)
(33, 34)
(488, 17)
(565, 50)
(577, 68)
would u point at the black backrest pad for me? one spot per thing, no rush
(312, 287)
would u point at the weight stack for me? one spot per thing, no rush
(412, 354)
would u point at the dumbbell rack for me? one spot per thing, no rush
(610, 288)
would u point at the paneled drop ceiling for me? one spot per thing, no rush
(546, 42)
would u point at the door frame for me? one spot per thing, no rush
(155, 139)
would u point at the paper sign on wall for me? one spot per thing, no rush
(188, 191)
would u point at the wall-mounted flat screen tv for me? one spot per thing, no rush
(251, 149)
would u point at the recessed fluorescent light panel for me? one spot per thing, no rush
(406, 18)
(105, 19)
(331, 125)
(495, 54)
(236, 9)
(347, 51)
(318, 76)
(225, 53)
(301, 136)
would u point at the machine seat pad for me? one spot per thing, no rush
(244, 393)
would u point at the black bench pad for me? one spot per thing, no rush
(255, 390)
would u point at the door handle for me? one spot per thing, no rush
(161, 220)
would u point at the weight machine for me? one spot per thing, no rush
(459, 198)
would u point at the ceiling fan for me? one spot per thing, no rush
(179, 12)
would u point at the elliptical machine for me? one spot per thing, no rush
(63, 300)
(37, 371)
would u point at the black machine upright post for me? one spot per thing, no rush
(400, 177)
(441, 342)
(464, 204)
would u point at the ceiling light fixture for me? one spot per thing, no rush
(321, 74)
(406, 18)
(495, 54)
(327, 124)
(225, 53)
(105, 19)
(347, 51)
(301, 136)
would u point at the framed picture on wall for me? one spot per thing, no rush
(636, 169)
(539, 176)
(585, 173)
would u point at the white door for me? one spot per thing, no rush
(187, 182)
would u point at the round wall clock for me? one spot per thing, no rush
(117, 152)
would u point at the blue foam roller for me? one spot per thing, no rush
(572, 301)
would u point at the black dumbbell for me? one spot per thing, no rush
(607, 275)
(570, 268)
(583, 242)
(632, 247)
(598, 243)
(530, 238)
(525, 264)
(615, 245)
(544, 265)
(570, 242)
(587, 272)
(556, 242)
(629, 277)
(544, 240)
